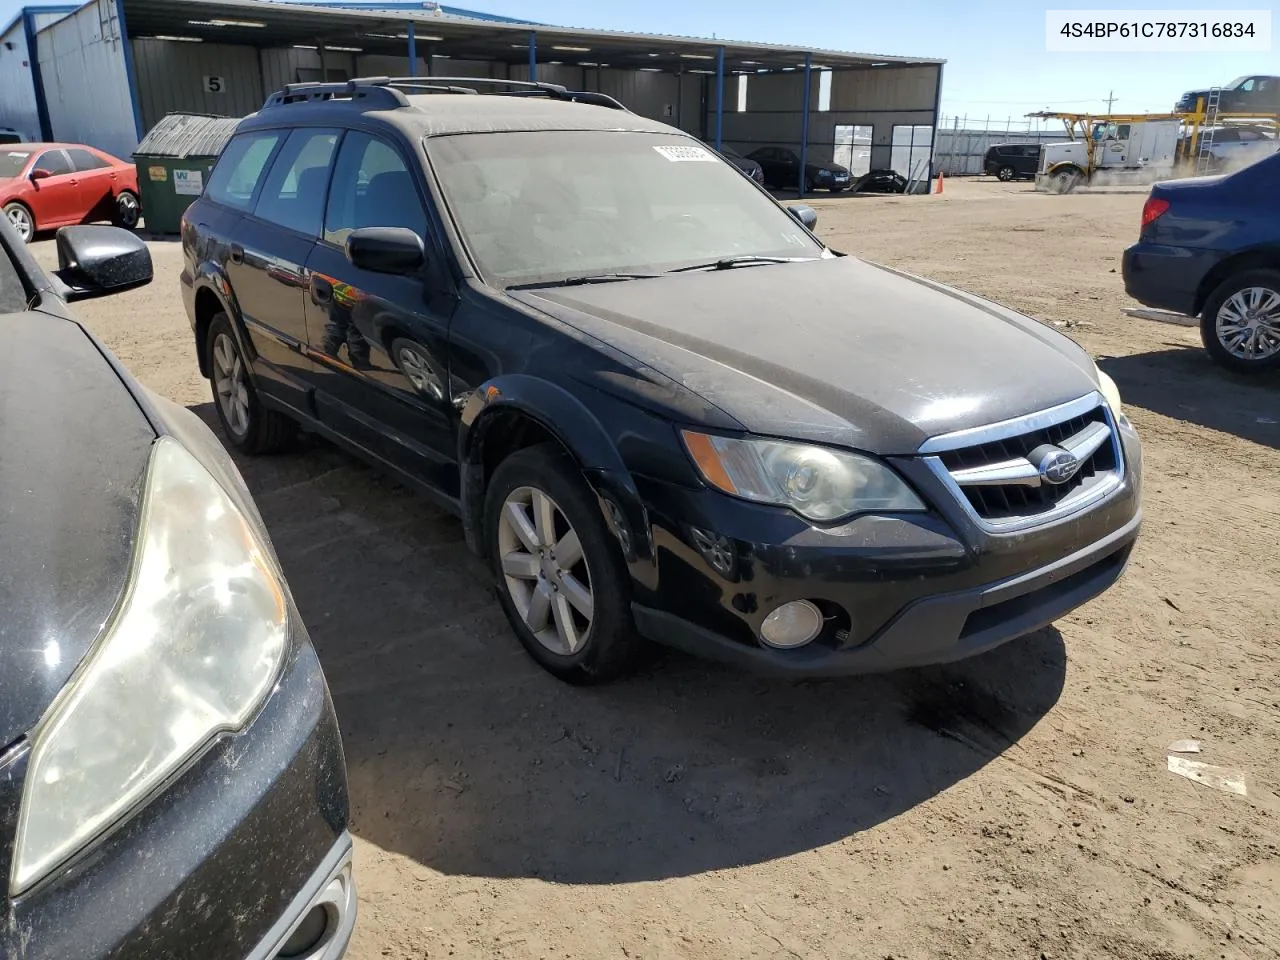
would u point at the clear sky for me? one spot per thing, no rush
(997, 65)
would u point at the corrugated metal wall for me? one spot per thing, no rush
(171, 79)
(281, 66)
(17, 89)
(86, 83)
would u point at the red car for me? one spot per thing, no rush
(48, 185)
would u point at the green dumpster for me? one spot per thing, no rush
(174, 160)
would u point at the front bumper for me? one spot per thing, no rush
(1167, 278)
(223, 863)
(897, 591)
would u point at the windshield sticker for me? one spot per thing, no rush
(20, 153)
(686, 154)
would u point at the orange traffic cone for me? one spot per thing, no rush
(938, 188)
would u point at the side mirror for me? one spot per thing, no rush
(94, 261)
(40, 173)
(386, 250)
(805, 214)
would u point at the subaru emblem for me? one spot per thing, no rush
(1056, 465)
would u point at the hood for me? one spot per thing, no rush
(832, 166)
(75, 451)
(835, 351)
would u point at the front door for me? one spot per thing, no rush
(380, 341)
(269, 250)
(56, 200)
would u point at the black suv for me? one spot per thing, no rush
(661, 407)
(1009, 161)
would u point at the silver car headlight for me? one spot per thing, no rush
(816, 482)
(193, 649)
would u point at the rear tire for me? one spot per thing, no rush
(246, 423)
(539, 591)
(1245, 302)
(128, 210)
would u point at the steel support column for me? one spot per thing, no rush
(719, 97)
(413, 52)
(804, 120)
(533, 56)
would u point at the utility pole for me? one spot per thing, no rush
(1111, 99)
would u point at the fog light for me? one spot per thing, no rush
(792, 625)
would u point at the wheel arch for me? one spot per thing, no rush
(514, 412)
(209, 300)
(1257, 258)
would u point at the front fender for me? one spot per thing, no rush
(576, 428)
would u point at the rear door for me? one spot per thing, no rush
(380, 341)
(56, 198)
(97, 182)
(268, 253)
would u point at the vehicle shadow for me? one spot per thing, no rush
(1183, 383)
(466, 757)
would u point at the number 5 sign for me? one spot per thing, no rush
(215, 85)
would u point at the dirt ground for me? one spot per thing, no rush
(1016, 805)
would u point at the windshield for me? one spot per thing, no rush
(12, 162)
(1238, 82)
(545, 206)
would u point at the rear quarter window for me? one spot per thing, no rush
(235, 179)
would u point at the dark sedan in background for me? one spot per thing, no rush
(781, 168)
(752, 169)
(1209, 247)
(172, 781)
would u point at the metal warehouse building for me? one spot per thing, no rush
(106, 72)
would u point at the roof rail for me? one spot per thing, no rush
(390, 91)
(521, 88)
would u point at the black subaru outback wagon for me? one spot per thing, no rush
(662, 408)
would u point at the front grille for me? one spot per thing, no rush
(1029, 495)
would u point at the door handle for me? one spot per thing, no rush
(237, 253)
(321, 290)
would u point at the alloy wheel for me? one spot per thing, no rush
(417, 370)
(128, 210)
(230, 386)
(20, 220)
(1248, 324)
(545, 571)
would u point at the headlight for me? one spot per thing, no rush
(824, 173)
(193, 648)
(816, 482)
(1110, 392)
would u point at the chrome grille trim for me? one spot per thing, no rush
(1020, 472)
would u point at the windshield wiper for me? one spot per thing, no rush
(582, 281)
(728, 263)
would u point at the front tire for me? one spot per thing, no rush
(246, 423)
(1240, 323)
(1005, 174)
(128, 210)
(560, 576)
(21, 219)
(1064, 181)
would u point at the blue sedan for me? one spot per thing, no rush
(1209, 247)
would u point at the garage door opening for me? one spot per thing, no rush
(912, 148)
(853, 147)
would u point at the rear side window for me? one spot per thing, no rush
(293, 194)
(371, 187)
(84, 160)
(238, 171)
(10, 138)
(55, 161)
